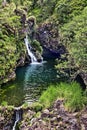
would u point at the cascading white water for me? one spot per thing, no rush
(17, 119)
(32, 56)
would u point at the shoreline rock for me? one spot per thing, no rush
(55, 117)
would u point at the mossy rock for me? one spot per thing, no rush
(37, 107)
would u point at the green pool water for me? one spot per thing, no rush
(30, 82)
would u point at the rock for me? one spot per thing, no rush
(38, 129)
(21, 61)
(39, 57)
(59, 118)
(46, 111)
(33, 120)
(48, 37)
(19, 12)
(35, 125)
(2, 119)
(23, 19)
(82, 127)
(11, 76)
(31, 22)
(44, 123)
(81, 78)
(6, 118)
(55, 118)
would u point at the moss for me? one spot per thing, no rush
(37, 106)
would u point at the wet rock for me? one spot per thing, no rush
(21, 61)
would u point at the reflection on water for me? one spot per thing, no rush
(30, 82)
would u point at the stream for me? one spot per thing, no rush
(17, 118)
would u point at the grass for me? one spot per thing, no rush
(75, 99)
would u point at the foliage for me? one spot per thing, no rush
(73, 35)
(4, 104)
(10, 45)
(70, 20)
(48, 96)
(67, 9)
(74, 98)
(70, 16)
(37, 106)
(25, 105)
(36, 45)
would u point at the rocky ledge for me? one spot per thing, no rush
(6, 118)
(54, 118)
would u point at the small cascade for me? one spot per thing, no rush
(32, 56)
(18, 116)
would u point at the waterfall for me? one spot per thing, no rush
(18, 117)
(32, 56)
(16, 120)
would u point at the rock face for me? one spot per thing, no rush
(47, 34)
(54, 118)
(6, 116)
(82, 79)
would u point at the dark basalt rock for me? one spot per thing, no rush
(48, 36)
(49, 53)
(81, 78)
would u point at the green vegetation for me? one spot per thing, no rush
(37, 106)
(74, 98)
(73, 36)
(67, 16)
(11, 47)
(70, 19)
(37, 46)
(4, 104)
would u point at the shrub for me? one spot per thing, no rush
(37, 46)
(37, 106)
